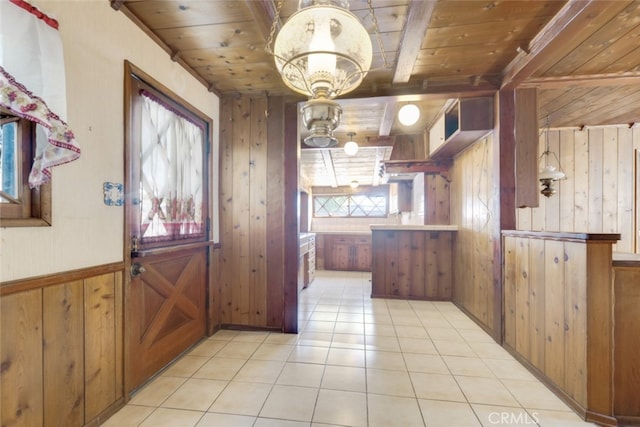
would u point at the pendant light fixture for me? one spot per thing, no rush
(323, 51)
(549, 173)
(351, 147)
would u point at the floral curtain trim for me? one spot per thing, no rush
(60, 146)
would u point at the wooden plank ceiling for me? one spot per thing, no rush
(582, 56)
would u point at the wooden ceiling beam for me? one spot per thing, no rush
(591, 80)
(554, 40)
(444, 91)
(415, 29)
(377, 175)
(328, 164)
(388, 117)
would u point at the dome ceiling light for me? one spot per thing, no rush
(409, 114)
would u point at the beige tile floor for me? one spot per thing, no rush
(355, 362)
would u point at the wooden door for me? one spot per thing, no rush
(167, 310)
(166, 226)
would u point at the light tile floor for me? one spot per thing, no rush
(356, 361)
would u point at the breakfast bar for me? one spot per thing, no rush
(413, 261)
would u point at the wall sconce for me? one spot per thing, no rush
(354, 184)
(323, 50)
(351, 147)
(549, 173)
(409, 114)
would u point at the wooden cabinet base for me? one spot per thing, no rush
(412, 264)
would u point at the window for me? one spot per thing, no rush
(168, 160)
(20, 206)
(360, 205)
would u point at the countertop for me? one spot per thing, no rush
(346, 232)
(626, 259)
(409, 227)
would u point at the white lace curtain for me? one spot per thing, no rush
(171, 166)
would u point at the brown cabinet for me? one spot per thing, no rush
(347, 252)
(464, 122)
(413, 261)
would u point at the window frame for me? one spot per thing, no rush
(342, 192)
(35, 207)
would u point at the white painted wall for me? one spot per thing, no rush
(85, 231)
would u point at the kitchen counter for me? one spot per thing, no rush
(626, 259)
(346, 232)
(416, 227)
(413, 261)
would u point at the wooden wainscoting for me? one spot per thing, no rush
(62, 348)
(558, 315)
(626, 404)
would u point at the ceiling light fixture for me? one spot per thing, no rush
(354, 184)
(409, 114)
(549, 173)
(321, 117)
(323, 50)
(351, 147)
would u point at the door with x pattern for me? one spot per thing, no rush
(167, 228)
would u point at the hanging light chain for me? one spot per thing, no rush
(274, 24)
(377, 33)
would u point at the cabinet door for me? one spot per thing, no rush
(436, 135)
(337, 255)
(362, 256)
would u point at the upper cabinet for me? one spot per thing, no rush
(465, 121)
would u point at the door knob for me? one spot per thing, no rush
(137, 269)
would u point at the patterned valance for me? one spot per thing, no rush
(32, 83)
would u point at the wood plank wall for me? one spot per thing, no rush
(436, 200)
(252, 188)
(598, 194)
(62, 349)
(471, 196)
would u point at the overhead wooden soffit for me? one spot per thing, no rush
(418, 18)
(429, 167)
(553, 41)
